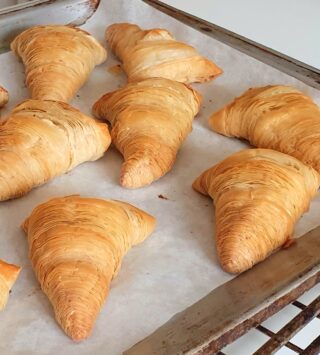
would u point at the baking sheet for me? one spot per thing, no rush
(177, 265)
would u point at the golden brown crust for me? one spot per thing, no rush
(150, 119)
(8, 276)
(76, 246)
(44, 139)
(276, 117)
(155, 53)
(4, 96)
(259, 194)
(58, 59)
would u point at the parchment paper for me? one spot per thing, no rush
(177, 265)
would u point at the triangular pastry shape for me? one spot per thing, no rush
(276, 117)
(8, 276)
(156, 53)
(259, 194)
(76, 246)
(44, 139)
(58, 59)
(150, 119)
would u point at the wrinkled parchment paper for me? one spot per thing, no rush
(177, 265)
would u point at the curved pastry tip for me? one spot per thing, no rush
(135, 174)
(198, 185)
(235, 263)
(97, 108)
(24, 225)
(76, 332)
(10, 272)
(232, 268)
(8, 276)
(217, 122)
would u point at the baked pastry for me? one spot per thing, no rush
(4, 96)
(58, 59)
(259, 194)
(43, 139)
(156, 53)
(8, 276)
(150, 119)
(276, 117)
(76, 246)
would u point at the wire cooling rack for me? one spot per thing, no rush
(283, 340)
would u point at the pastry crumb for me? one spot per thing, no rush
(33, 291)
(163, 197)
(115, 69)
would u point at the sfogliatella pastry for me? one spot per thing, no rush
(259, 194)
(156, 53)
(8, 276)
(58, 59)
(276, 117)
(150, 119)
(44, 139)
(76, 246)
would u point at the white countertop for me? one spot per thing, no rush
(291, 27)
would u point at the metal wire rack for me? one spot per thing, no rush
(282, 338)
